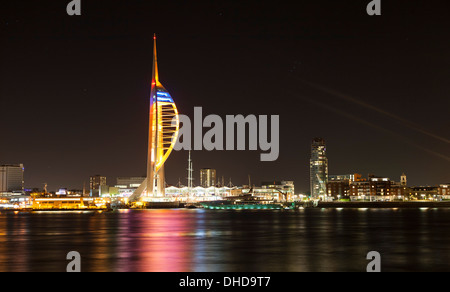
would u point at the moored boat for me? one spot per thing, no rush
(246, 202)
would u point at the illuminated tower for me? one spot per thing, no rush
(163, 131)
(318, 168)
(403, 180)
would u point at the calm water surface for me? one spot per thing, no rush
(228, 241)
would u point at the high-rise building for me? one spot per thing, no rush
(163, 130)
(95, 182)
(318, 168)
(207, 177)
(11, 178)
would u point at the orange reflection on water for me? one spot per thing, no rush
(11, 226)
(155, 241)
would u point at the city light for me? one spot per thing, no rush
(254, 137)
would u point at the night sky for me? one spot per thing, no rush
(74, 91)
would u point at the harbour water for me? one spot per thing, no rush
(198, 240)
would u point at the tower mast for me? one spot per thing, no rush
(190, 178)
(153, 128)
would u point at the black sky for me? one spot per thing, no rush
(74, 91)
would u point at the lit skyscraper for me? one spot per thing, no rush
(318, 168)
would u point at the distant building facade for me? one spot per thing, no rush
(130, 182)
(11, 178)
(424, 193)
(444, 191)
(276, 190)
(380, 187)
(207, 177)
(338, 189)
(199, 193)
(127, 185)
(95, 183)
(373, 189)
(318, 169)
(339, 186)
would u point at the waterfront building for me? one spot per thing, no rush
(162, 135)
(70, 203)
(340, 186)
(398, 190)
(373, 189)
(125, 192)
(444, 191)
(95, 182)
(280, 191)
(424, 193)
(207, 177)
(380, 188)
(200, 194)
(126, 186)
(360, 190)
(274, 191)
(61, 192)
(342, 177)
(318, 169)
(129, 182)
(383, 189)
(11, 178)
(338, 189)
(108, 192)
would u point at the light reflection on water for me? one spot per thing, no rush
(203, 241)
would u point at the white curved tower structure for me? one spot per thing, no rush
(163, 132)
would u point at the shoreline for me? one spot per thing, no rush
(378, 205)
(330, 205)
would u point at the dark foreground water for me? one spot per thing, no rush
(229, 241)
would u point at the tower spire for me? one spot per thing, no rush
(155, 77)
